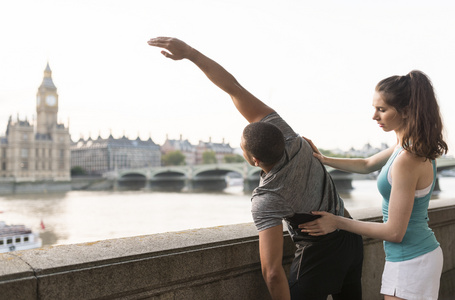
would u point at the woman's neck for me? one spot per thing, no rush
(399, 138)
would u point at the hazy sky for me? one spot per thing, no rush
(315, 62)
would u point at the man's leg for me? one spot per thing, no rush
(351, 291)
(352, 285)
(330, 266)
(299, 293)
(320, 268)
(299, 286)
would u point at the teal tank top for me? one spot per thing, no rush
(419, 238)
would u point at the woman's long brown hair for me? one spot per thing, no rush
(413, 96)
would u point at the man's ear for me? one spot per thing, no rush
(256, 161)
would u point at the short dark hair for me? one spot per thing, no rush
(264, 141)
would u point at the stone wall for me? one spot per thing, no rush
(211, 263)
(35, 187)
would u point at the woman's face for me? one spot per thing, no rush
(387, 116)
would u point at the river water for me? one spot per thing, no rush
(85, 216)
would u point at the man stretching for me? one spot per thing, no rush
(293, 183)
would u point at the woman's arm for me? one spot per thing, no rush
(354, 165)
(405, 174)
(247, 104)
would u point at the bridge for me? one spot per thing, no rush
(216, 177)
(445, 163)
(195, 177)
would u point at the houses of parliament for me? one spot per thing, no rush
(41, 153)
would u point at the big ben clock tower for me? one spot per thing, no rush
(46, 104)
(39, 155)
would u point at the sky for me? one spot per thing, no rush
(315, 62)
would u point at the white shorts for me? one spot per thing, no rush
(416, 279)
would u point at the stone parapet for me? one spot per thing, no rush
(210, 263)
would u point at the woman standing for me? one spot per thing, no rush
(408, 106)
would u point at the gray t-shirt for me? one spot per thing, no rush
(297, 184)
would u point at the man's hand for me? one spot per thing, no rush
(247, 104)
(176, 49)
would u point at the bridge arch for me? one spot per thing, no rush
(253, 173)
(182, 170)
(132, 180)
(169, 179)
(133, 172)
(218, 168)
(211, 178)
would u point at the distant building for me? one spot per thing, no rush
(102, 155)
(366, 151)
(193, 154)
(220, 149)
(184, 146)
(41, 153)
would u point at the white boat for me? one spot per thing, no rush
(17, 237)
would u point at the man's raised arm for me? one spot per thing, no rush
(247, 104)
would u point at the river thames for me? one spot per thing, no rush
(85, 216)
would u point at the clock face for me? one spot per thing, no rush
(50, 100)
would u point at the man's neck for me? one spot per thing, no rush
(267, 169)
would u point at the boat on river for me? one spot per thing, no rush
(17, 237)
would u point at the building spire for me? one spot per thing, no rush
(47, 79)
(48, 69)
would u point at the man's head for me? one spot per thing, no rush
(262, 143)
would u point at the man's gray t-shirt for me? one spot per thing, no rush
(297, 184)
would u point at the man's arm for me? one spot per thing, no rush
(271, 252)
(247, 104)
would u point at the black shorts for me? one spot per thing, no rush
(330, 266)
